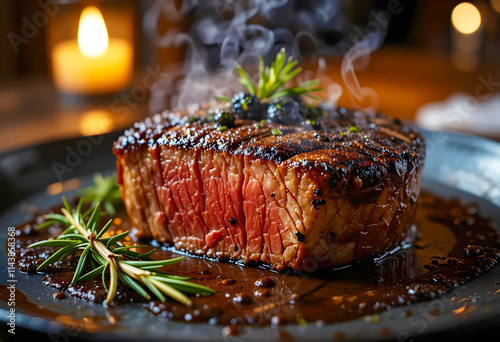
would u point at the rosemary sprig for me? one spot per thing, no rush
(104, 191)
(136, 270)
(273, 78)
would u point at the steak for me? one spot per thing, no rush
(285, 196)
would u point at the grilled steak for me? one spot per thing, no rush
(281, 195)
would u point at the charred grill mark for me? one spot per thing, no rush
(300, 237)
(232, 139)
(336, 175)
(318, 202)
(247, 139)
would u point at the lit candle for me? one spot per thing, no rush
(94, 63)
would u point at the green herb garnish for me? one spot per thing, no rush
(276, 131)
(104, 191)
(135, 270)
(194, 118)
(352, 129)
(222, 98)
(273, 78)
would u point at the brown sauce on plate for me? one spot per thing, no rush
(453, 244)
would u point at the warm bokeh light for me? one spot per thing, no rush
(95, 122)
(57, 188)
(459, 310)
(496, 5)
(93, 39)
(466, 18)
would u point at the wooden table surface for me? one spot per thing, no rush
(32, 112)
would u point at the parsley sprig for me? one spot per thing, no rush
(136, 270)
(273, 79)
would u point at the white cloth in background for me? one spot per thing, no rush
(462, 113)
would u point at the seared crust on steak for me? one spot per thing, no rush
(281, 195)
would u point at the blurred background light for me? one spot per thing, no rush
(466, 18)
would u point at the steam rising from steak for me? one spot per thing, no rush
(225, 33)
(298, 190)
(303, 199)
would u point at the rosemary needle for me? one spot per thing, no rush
(133, 269)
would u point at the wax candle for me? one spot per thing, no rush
(93, 63)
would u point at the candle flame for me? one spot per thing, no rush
(93, 37)
(466, 18)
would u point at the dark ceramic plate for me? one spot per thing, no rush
(456, 166)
